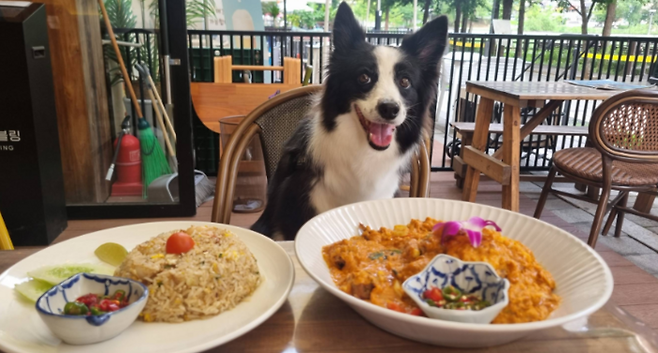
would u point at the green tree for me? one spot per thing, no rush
(466, 12)
(631, 10)
(271, 8)
(582, 9)
(615, 10)
(538, 19)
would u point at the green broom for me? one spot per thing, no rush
(154, 162)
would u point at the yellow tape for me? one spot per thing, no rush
(468, 45)
(629, 58)
(5, 240)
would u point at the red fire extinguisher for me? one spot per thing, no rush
(128, 162)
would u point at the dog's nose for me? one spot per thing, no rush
(388, 109)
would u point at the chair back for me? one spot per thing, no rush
(278, 122)
(625, 126)
(274, 122)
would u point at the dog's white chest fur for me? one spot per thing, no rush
(352, 170)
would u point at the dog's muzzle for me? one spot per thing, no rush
(379, 135)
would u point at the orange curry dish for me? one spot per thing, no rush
(374, 265)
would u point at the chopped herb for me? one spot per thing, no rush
(168, 266)
(218, 277)
(451, 293)
(159, 284)
(382, 254)
(395, 273)
(377, 255)
(220, 255)
(203, 262)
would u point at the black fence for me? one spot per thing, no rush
(470, 57)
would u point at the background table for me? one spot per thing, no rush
(313, 320)
(515, 95)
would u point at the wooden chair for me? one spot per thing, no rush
(274, 122)
(224, 69)
(624, 135)
(221, 98)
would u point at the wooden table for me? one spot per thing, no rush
(515, 95)
(313, 320)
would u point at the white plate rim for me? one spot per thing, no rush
(497, 328)
(211, 343)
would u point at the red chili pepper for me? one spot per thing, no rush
(88, 300)
(434, 294)
(394, 306)
(104, 305)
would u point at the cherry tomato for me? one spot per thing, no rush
(179, 243)
(416, 311)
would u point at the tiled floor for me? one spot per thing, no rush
(638, 242)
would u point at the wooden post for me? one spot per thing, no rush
(80, 98)
(512, 155)
(480, 139)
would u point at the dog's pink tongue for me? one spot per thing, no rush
(381, 134)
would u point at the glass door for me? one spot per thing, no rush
(145, 158)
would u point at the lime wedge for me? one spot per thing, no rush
(112, 253)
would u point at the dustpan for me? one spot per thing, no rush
(165, 189)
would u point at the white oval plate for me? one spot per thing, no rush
(583, 279)
(21, 329)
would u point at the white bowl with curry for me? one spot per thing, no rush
(363, 253)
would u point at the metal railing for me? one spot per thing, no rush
(469, 57)
(537, 58)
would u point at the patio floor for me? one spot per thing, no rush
(635, 286)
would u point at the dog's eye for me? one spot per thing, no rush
(404, 82)
(364, 79)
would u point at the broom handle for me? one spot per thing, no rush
(126, 78)
(164, 111)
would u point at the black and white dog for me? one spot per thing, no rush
(363, 129)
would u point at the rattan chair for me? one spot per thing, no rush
(624, 157)
(275, 121)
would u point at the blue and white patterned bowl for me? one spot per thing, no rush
(74, 329)
(477, 278)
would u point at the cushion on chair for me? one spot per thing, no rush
(586, 163)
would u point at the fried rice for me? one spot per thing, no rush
(216, 275)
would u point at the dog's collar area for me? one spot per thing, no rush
(379, 135)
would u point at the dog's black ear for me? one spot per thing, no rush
(347, 32)
(429, 43)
